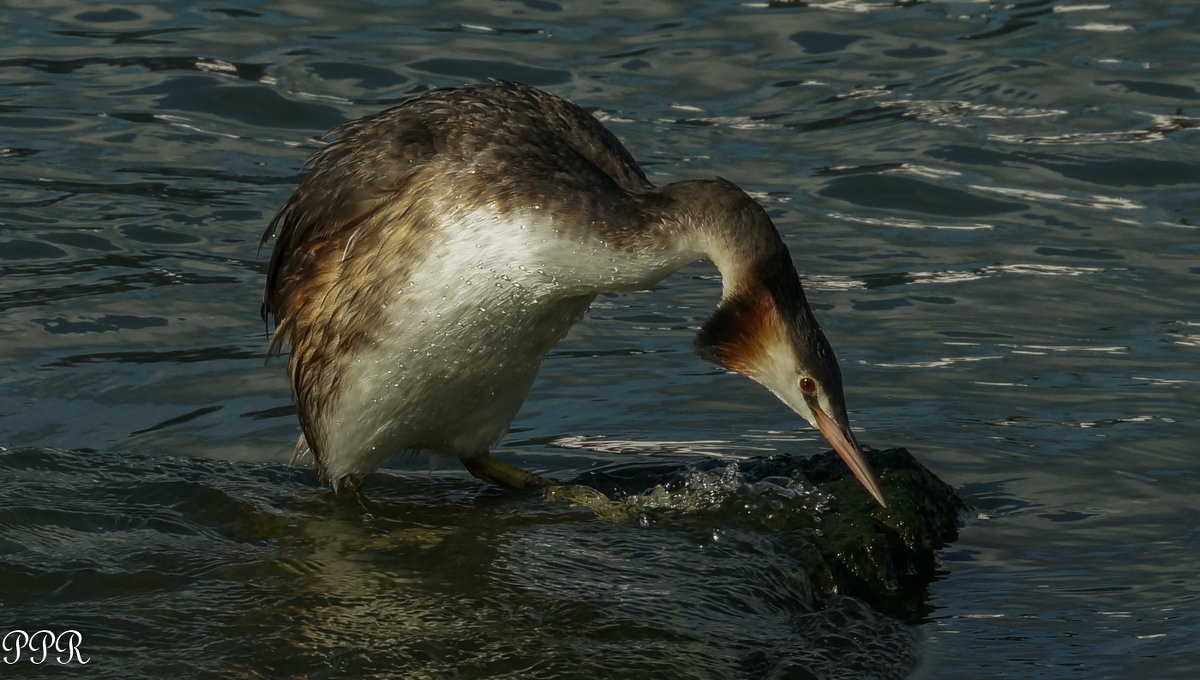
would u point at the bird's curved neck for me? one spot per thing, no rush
(762, 301)
(718, 220)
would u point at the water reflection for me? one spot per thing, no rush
(430, 576)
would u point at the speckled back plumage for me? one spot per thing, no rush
(501, 131)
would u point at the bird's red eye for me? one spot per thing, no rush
(808, 385)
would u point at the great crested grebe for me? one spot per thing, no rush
(435, 252)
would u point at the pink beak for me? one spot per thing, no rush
(843, 442)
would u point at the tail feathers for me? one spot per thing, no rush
(345, 484)
(300, 451)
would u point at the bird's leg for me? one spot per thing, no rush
(502, 474)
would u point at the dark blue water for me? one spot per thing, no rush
(994, 207)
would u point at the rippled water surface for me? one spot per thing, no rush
(993, 205)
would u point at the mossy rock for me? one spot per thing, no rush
(885, 555)
(838, 540)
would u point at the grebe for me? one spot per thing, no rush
(434, 252)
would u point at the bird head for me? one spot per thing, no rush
(767, 332)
